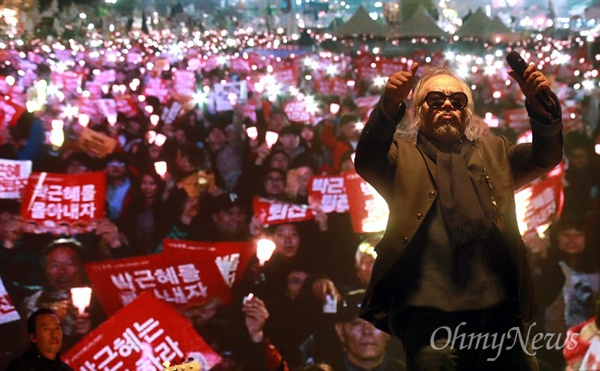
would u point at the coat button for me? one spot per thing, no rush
(404, 240)
(432, 194)
(419, 216)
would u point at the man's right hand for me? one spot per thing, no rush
(397, 89)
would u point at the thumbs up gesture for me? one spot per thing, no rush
(397, 89)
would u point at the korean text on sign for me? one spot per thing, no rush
(330, 193)
(136, 338)
(8, 312)
(13, 177)
(64, 197)
(146, 341)
(172, 284)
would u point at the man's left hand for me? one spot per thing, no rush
(532, 82)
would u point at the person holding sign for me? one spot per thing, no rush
(452, 252)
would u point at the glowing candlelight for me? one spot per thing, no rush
(57, 136)
(252, 132)
(160, 139)
(81, 297)
(84, 120)
(161, 168)
(334, 108)
(271, 138)
(112, 119)
(264, 250)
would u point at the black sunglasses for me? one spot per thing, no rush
(436, 99)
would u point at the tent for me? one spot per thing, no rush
(498, 31)
(479, 26)
(475, 25)
(360, 24)
(420, 24)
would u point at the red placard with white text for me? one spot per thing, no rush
(368, 210)
(286, 75)
(329, 193)
(276, 212)
(517, 119)
(297, 111)
(137, 338)
(126, 105)
(184, 80)
(176, 278)
(64, 197)
(158, 88)
(368, 102)
(340, 87)
(8, 312)
(13, 177)
(68, 81)
(538, 203)
(10, 112)
(239, 64)
(231, 258)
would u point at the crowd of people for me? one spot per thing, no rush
(215, 170)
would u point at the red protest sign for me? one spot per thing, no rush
(296, 111)
(368, 210)
(340, 87)
(64, 197)
(5, 87)
(249, 111)
(277, 212)
(368, 102)
(231, 258)
(136, 338)
(211, 62)
(107, 106)
(329, 193)
(126, 105)
(538, 203)
(8, 312)
(366, 67)
(286, 75)
(322, 86)
(157, 87)
(241, 64)
(176, 278)
(69, 81)
(10, 111)
(184, 80)
(391, 66)
(13, 177)
(517, 119)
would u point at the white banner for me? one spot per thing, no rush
(13, 177)
(8, 312)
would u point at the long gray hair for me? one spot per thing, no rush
(409, 128)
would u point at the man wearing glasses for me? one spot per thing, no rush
(451, 269)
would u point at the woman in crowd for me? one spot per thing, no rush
(144, 220)
(578, 258)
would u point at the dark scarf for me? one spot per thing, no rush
(466, 207)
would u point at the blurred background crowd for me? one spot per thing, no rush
(203, 107)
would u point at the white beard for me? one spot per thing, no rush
(446, 132)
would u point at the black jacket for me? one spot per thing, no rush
(33, 360)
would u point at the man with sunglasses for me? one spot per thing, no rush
(451, 277)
